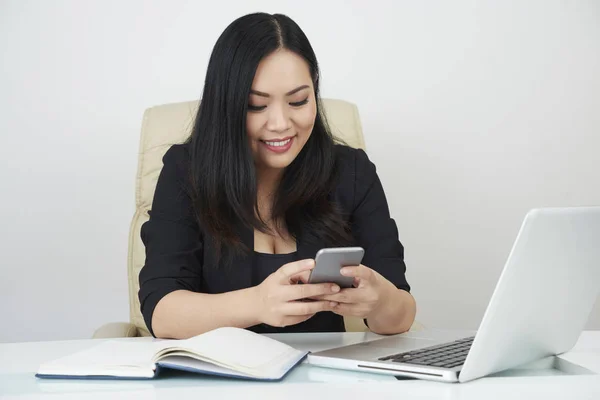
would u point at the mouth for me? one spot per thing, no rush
(279, 145)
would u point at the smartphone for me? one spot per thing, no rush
(329, 261)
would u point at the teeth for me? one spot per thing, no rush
(278, 144)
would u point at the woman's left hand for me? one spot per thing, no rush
(370, 291)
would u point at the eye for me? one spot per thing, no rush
(256, 108)
(299, 103)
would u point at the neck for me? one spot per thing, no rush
(267, 183)
(268, 179)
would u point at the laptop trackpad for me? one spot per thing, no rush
(401, 344)
(379, 348)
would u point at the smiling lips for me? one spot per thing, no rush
(278, 146)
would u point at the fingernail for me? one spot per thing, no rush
(344, 271)
(309, 263)
(335, 288)
(333, 303)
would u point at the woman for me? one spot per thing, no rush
(242, 207)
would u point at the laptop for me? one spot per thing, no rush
(541, 304)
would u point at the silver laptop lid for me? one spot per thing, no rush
(545, 293)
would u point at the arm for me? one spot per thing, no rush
(183, 314)
(395, 314)
(171, 278)
(274, 301)
(377, 233)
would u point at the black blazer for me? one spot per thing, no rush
(179, 257)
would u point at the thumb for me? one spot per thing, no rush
(301, 277)
(290, 270)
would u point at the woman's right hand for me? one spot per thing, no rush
(280, 296)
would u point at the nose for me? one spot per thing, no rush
(278, 119)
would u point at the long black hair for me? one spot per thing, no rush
(222, 166)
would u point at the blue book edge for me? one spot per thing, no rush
(174, 367)
(233, 373)
(99, 377)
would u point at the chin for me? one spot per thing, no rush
(278, 164)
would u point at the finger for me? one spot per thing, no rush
(307, 307)
(346, 296)
(359, 271)
(289, 270)
(350, 310)
(309, 290)
(301, 277)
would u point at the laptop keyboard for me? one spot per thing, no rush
(447, 355)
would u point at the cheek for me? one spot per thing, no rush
(305, 119)
(253, 125)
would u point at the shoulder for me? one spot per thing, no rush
(354, 165)
(351, 160)
(176, 162)
(177, 155)
(355, 173)
(175, 172)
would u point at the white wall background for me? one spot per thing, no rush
(474, 112)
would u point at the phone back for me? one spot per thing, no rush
(328, 263)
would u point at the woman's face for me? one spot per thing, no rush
(281, 110)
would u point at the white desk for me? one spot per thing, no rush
(19, 361)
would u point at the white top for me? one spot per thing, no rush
(19, 361)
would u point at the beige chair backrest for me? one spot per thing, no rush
(170, 124)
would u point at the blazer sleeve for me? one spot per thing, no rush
(372, 226)
(171, 236)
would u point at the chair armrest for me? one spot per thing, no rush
(355, 324)
(116, 330)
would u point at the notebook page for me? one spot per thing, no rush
(195, 365)
(239, 348)
(109, 356)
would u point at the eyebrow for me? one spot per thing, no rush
(291, 92)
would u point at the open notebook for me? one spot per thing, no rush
(232, 352)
